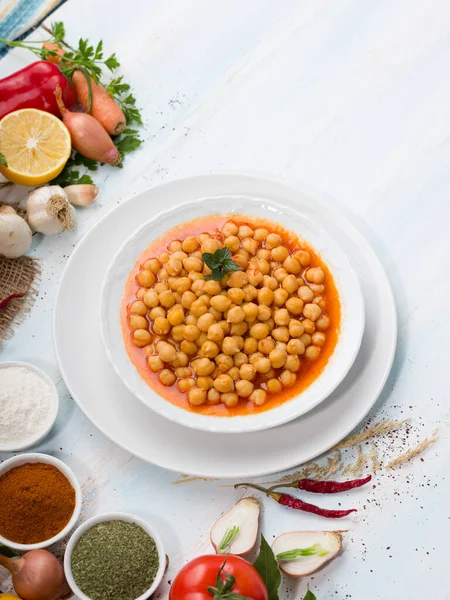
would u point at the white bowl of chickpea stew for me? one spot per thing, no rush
(231, 322)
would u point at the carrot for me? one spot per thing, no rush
(104, 108)
(51, 46)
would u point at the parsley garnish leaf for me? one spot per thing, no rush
(58, 31)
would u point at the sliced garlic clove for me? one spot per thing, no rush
(240, 523)
(319, 546)
(81, 194)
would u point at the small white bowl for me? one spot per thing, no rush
(34, 457)
(116, 516)
(33, 441)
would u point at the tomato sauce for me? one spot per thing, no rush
(309, 371)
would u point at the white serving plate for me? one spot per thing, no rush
(291, 217)
(36, 457)
(116, 516)
(98, 391)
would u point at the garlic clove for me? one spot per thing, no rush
(240, 525)
(82, 194)
(319, 547)
(5, 209)
(15, 235)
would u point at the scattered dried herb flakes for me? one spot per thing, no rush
(115, 559)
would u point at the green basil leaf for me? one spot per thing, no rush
(309, 595)
(3, 160)
(267, 566)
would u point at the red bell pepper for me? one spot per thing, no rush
(34, 87)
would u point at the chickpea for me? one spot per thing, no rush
(182, 360)
(230, 228)
(264, 313)
(280, 334)
(215, 313)
(203, 366)
(161, 326)
(270, 324)
(266, 345)
(240, 359)
(191, 320)
(317, 288)
(203, 237)
(273, 240)
(167, 377)
(215, 332)
(183, 284)
(318, 339)
(210, 349)
(153, 265)
(236, 315)
(270, 282)
(161, 286)
(255, 277)
(230, 400)
(274, 265)
(280, 274)
(210, 246)
(244, 388)
(312, 311)
(174, 246)
(292, 265)
(225, 326)
(224, 362)
(236, 295)
(280, 253)
(295, 346)
(247, 372)
(205, 321)
(166, 352)
(174, 266)
(167, 299)
(138, 308)
(198, 308)
(264, 267)
(220, 302)
(213, 396)
(315, 275)
(303, 257)
(250, 311)
(312, 353)
(232, 243)
(239, 328)
(245, 232)
(294, 306)
(205, 382)
(193, 263)
(250, 246)
(292, 363)
(138, 322)
(232, 345)
(141, 293)
(306, 339)
(183, 372)
(155, 363)
(198, 287)
(320, 301)
(184, 385)
(191, 333)
(322, 323)
(202, 338)
(237, 279)
(164, 257)
(263, 254)
(197, 396)
(212, 287)
(190, 244)
(175, 316)
(290, 284)
(260, 234)
(305, 293)
(163, 274)
(223, 383)
(250, 292)
(234, 373)
(280, 296)
(259, 331)
(156, 312)
(259, 397)
(281, 317)
(241, 259)
(255, 356)
(274, 386)
(288, 378)
(265, 296)
(308, 325)
(179, 255)
(146, 278)
(295, 328)
(188, 347)
(250, 345)
(262, 365)
(277, 358)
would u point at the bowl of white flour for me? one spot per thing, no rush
(29, 405)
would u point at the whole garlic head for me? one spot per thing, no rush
(15, 235)
(49, 210)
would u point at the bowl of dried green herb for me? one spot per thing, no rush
(114, 555)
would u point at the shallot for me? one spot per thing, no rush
(37, 575)
(87, 135)
(236, 531)
(301, 553)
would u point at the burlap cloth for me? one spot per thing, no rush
(17, 276)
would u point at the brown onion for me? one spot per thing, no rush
(87, 135)
(37, 575)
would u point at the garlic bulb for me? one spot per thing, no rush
(49, 210)
(81, 194)
(15, 235)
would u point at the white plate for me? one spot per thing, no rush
(118, 414)
(298, 220)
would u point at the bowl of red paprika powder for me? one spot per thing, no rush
(40, 501)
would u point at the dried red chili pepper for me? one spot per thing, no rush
(324, 487)
(297, 504)
(4, 303)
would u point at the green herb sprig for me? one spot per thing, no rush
(3, 160)
(267, 566)
(220, 263)
(299, 552)
(229, 537)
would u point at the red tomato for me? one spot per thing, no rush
(193, 580)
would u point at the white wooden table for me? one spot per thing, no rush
(350, 98)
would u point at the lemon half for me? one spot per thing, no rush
(36, 145)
